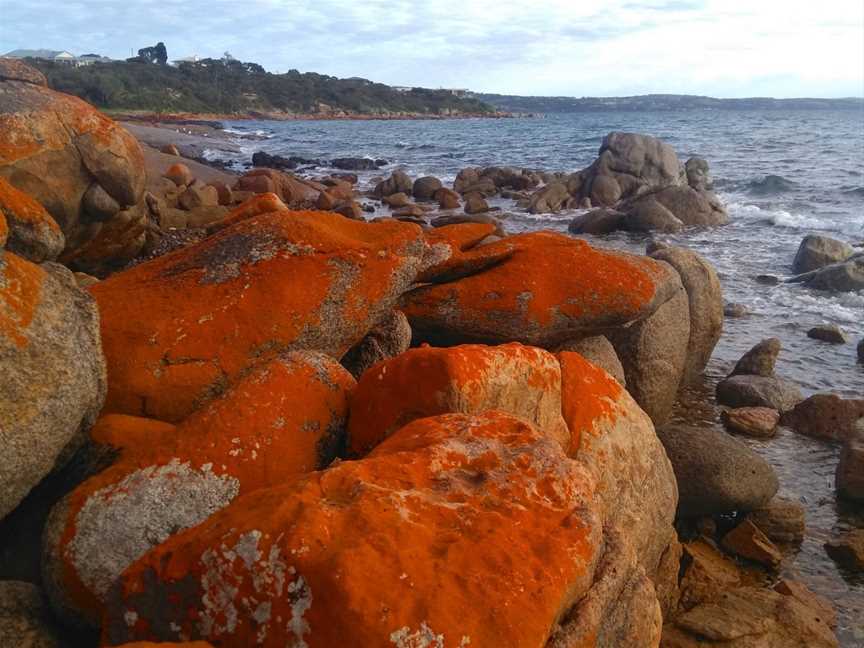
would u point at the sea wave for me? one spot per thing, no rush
(770, 185)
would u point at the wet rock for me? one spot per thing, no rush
(767, 280)
(598, 351)
(596, 221)
(285, 418)
(476, 205)
(653, 357)
(849, 478)
(760, 360)
(396, 200)
(819, 251)
(758, 391)
(747, 541)
(296, 281)
(447, 198)
(648, 215)
(781, 520)
(387, 339)
(29, 230)
(750, 616)
(54, 147)
(398, 182)
(839, 277)
(861, 351)
(847, 549)
(828, 333)
(826, 416)
(705, 298)
(735, 310)
(715, 472)
(357, 164)
(425, 188)
(707, 573)
(53, 372)
(698, 174)
(24, 620)
(691, 207)
(549, 199)
(759, 422)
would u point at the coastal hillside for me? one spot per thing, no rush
(515, 103)
(229, 86)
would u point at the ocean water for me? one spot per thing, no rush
(782, 175)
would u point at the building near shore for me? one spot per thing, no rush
(57, 56)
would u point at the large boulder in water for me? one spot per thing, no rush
(176, 330)
(56, 148)
(847, 276)
(693, 208)
(758, 391)
(52, 368)
(819, 251)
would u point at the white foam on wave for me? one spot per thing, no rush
(798, 221)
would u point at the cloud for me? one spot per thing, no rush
(559, 47)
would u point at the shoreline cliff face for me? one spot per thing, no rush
(291, 425)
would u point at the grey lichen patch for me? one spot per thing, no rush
(120, 523)
(423, 637)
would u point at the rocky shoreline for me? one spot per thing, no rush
(279, 408)
(182, 118)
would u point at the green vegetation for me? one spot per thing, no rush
(229, 86)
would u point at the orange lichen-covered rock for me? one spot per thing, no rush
(615, 440)
(179, 174)
(457, 530)
(55, 147)
(260, 204)
(32, 233)
(4, 230)
(178, 328)
(52, 372)
(17, 70)
(457, 246)
(285, 418)
(547, 289)
(471, 379)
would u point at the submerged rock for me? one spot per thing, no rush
(759, 422)
(715, 472)
(758, 391)
(826, 416)
(819, 251)
(828, 333)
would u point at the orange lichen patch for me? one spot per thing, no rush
(17, 141)
(589, 398)
(150, 644)
(178, 328)
(21, 209)
(260, 204)
(17, 70)
(470, 379)
(20, 293)
(457, 530)
(465, 258)
(122, 431)
(4, 229)
(548, 288)
(285, 418)
(179, 174)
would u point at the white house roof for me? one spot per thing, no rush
(39, 53)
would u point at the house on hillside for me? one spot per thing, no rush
(186, 59)
(58, 56)
(89, 59)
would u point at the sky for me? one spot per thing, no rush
(720, 48)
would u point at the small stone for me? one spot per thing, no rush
(179, 174)
(848, 549)
(861, 351)
(782, 520)
(828, 333)
(760, 360)
(759, 422)
(476, 205)
(735, 310)
(747, 541)
(767, 280)
(170, 149)
(396, 200)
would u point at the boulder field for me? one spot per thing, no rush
(290, 426)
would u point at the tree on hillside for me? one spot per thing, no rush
(156, 54)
